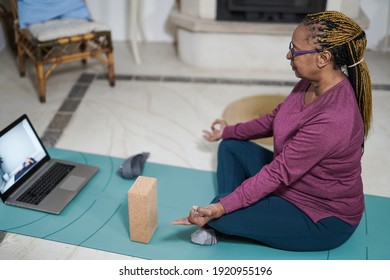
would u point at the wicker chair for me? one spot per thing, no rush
(48, 53)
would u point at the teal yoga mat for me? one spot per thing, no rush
(98, 218)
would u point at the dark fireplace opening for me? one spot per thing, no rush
(285, 11)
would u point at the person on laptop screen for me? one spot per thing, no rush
(19, 154)
(26, 165)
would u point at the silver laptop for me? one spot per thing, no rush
(30, 178)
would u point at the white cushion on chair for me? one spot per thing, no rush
(58, 28)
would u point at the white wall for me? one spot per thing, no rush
(378, 11)
(157, 27)
(155, 18)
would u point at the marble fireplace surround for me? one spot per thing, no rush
(204, 42)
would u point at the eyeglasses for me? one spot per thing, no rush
(296, 53)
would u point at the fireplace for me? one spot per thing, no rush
(257, 40)
(287, 11)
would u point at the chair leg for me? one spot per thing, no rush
(133, 29)
(22, 61)
(41, 82)
(140, 21)
(82, 49)
(110, 69)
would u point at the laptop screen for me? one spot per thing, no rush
(21, 152)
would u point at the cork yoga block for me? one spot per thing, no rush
(142, 203)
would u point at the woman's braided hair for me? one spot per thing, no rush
(346, 41)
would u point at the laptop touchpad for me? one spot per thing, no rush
(73, 183)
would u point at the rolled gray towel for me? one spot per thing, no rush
(133, 166)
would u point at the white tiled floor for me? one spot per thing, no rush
(162, 117)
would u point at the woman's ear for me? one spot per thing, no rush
(323, 59)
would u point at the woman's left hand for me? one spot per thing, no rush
(201, 215)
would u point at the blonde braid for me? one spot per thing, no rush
(344, 38)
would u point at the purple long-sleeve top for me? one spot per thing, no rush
(317, 155)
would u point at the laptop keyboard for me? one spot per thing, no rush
(46, 183)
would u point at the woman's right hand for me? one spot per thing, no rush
(201, 215)
(217, 128)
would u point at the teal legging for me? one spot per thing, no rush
(272, 220)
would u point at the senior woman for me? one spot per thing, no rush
(306, 195)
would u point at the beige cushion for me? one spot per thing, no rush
(248, 108)
(54, 29)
